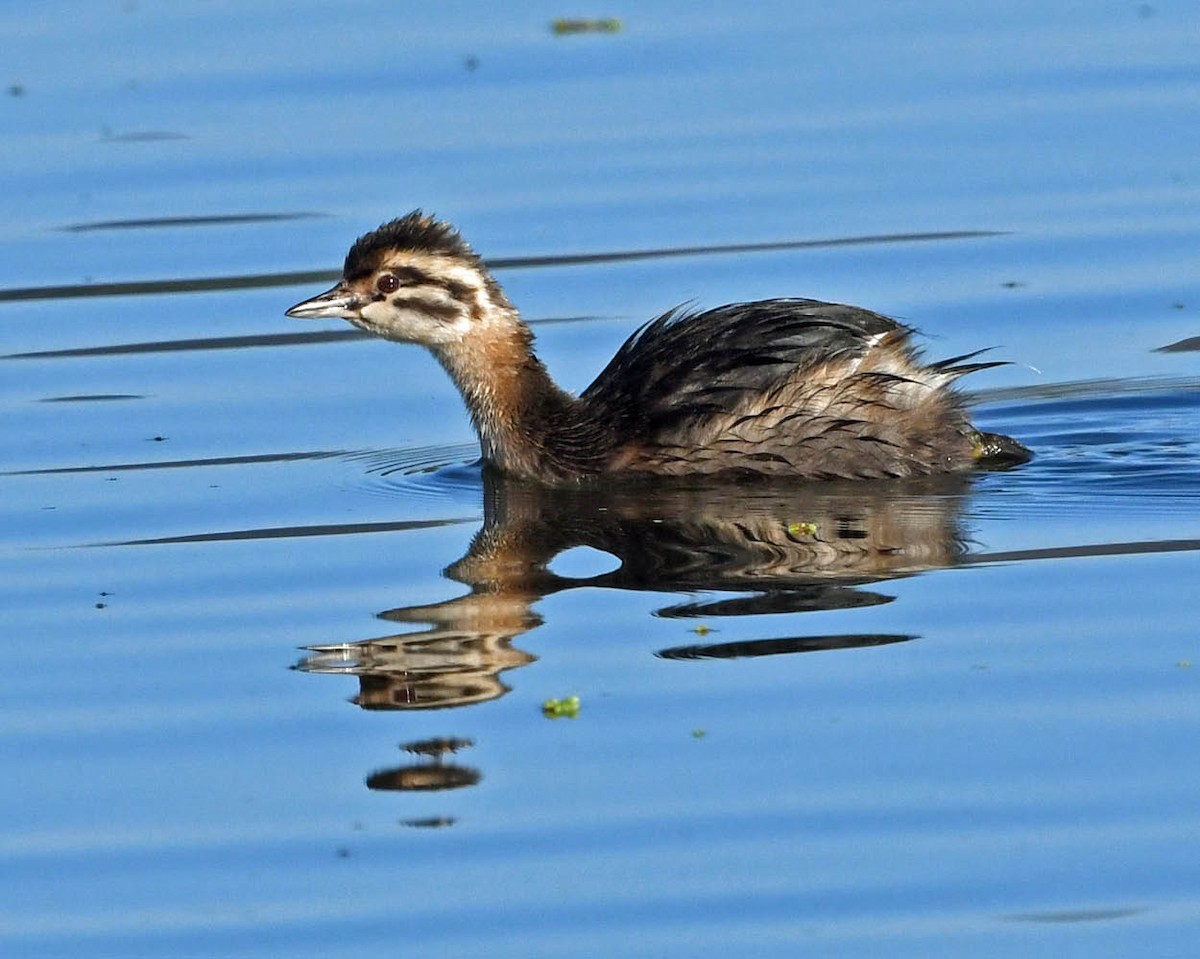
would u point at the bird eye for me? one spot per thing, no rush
(387, 283)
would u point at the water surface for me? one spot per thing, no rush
(279, 653)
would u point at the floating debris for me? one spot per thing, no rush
(566, 26)
(802, 529)
(558, 708)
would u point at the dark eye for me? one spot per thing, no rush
(387, 283)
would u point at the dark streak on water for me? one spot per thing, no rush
(1144, 548)
(291, 532)
(92, 398)
(142, 136)
(228, 219)
(266, 280)
(1101, 389)
(777, 647)
(1189, 345)
(252, 341)
(197, 343)
(181, 464)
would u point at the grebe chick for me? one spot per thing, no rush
(784, 387)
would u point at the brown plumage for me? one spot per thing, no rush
(784, 387)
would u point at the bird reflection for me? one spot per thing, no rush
(776, 548)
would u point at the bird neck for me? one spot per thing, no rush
(527, 425)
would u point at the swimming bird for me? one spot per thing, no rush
(775, 388)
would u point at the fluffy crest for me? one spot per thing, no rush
(414, 231)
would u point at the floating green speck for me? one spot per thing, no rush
(558, 708)
(802, 529)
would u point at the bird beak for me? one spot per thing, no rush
(339, 302)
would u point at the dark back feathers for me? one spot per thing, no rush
(684, 365)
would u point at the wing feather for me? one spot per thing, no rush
(685, 364)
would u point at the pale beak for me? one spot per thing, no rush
(338, 302)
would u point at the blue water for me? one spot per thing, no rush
(242, 569)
